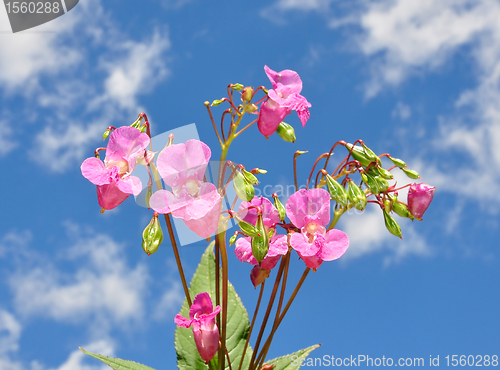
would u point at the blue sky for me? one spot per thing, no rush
(420, 80)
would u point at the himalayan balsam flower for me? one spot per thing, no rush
(419, 198)
(113, 177)
(197, 203)
(309, 210)
(277, 243)
(202, 317)
(284, 98)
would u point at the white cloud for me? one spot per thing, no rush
(104, 288)
(401, 111)
(170, 302)
(10, 332)
(368, 235)
(7, 142)
(96, 74)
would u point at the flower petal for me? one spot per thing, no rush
(130, 185)
(301, 245)
(129, 142)
(312, 262)
(271, 114)
(307, 206)
(287, 77)
(243, 251)
(202, 304)
(93, 170)
(335, 246)
(270, 215)
(206, 225)
(110, 196)
(182, 321)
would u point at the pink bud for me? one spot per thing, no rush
(202, 317)
(258, 275)
(419, 198)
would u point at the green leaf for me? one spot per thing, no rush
(292, 361)
(118, 363)
(237, 320)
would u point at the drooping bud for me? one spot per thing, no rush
(137, 123)
(217, 102)
(370, 182)
(108, 132)
(387, 205)
(398, 162)
(237, 87)
(419, 198)
(250, 177)
(401, 210)
(286, 132)
(279, 206)
(356, 196)
(385, 174)
(258, 275)
(152, 236)
(359, 154)
(246, 228)
(250, 108)
(260, 244)
(392, 225)
(244, 190)
(232, 240)
(246, 94)
(370, 154)
(337, 191)
(410, 173)
(256, 171)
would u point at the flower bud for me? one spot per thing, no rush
(246, 94)
(250, 108)
(337, 191)
(370, 154)
(137, 123)
(401, 210)
(106, 134)
(286, 132)
(398, 162)
(244, 190)
(232, 240)
(419, 198)
(237, 87)
(250, 177)
(217, 102)
(256, 171)
(260, 244)
(279, 206)
(356, 196)
(370, 183)
(152, 236)
(246, 228)
(410, 173)
(392, 225)
(258, 275)
(385, 174)
(359, 154)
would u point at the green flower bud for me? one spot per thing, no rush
(246, 94)
(370, 183)
(392, 225)
(251, 179)
(401, 210)
(385, 174)
(359, 154)
(237, 87)
(370, 154)
(398, 162)
(232, 240)
(387, 205)
(410, 173)
(137, 123)
(337, 191)
(152, 236)
(106, 134)
(217, 102)
(286, 132)
(248, 229)
(382, 183)
(279, 206)
(244, 190)
(356, 196)
(260, 244)
(250, 108)
(258, 170)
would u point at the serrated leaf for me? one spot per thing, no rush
(291, 361)
(118, 363)
(237, 320)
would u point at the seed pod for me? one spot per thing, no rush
(286, 132)
(279, 206)
(370, 183)
(233, 239)
(359, 154)
(251, 179)
(337, 191)
(356, 196)
(410, 173)
(260, 244)
(237, 87)
(371, 155)
(244, 190)
(246, 94)
(152, 236)
(392, 225)
(385, 174)
(398, 162)
(401, 210)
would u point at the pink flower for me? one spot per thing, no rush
(284, 98)
(278, 245)
(202, 317)
(419, 198)
(197, 203)
(113, 177)
(309, 210)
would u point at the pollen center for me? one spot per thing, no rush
(193, 187)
